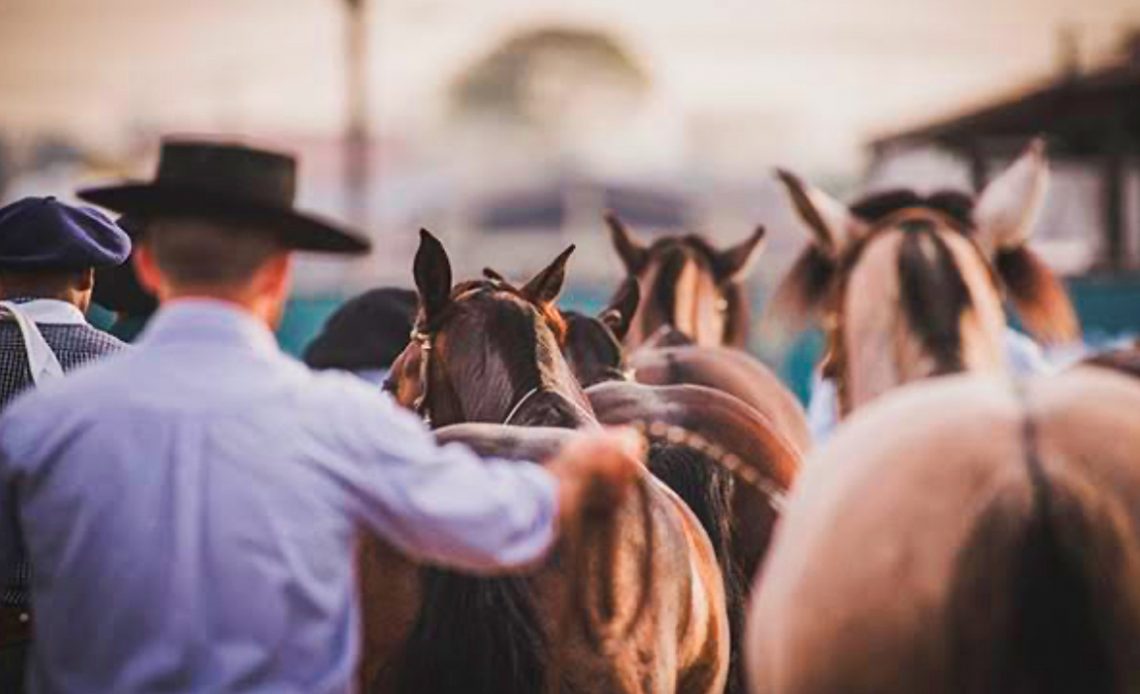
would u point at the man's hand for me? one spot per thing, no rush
(596, 470)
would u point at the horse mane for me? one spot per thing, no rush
(876, 207)
(1044, 596)
(933, 296)
(663, 293)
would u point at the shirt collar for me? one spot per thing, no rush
(208, 321)
(50, 311)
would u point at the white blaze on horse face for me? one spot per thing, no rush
(1008, 208)
(872, 316)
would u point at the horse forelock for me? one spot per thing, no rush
(874, 209)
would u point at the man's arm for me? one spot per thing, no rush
(447, 506)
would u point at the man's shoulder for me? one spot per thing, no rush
(82, 338)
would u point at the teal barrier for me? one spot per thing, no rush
(1108, 306)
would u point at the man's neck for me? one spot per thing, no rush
(262, 311)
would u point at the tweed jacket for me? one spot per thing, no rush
(73, 345)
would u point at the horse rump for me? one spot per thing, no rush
(1046, 597)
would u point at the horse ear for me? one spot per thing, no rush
(831, 223)
(545, 287)
(432, 272)
(634, 255)
(619, 314)
(1008, 207)
(494, 276)
(734, 263)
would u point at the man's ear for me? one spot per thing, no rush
(618, 316)
(432, 271)
(86, 280)
(150, 278)
(545, 287)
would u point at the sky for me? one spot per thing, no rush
(805, 81)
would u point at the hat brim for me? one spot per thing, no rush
(298, 231)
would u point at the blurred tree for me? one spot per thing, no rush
(553, 81)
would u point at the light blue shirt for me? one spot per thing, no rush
(190, 509)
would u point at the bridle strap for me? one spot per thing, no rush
(522, 401)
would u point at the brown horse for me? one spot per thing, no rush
(965, 534)
(488, 353)
(594, 350)
(688, 285)
(911, 286)
(699, 430)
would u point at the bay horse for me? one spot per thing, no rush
(596, 354)
(965, 534)
(688, 285)
(908, 286)
(487, 355)
(700, 429)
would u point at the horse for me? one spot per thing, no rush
(488, 354)
(699, 431)
(596, 355)
(964, 534)
(909, 286)
(688, 285)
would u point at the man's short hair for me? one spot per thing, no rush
(196, 252)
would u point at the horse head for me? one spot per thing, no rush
(594, 343)
(688, 284)
(910, 286)
(484, 348)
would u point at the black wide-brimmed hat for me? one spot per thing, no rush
(233, 181)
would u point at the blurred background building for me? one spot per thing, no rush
(507, 126)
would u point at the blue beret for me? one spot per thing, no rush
(46, 234)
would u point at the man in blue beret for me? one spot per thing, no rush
(49, 252)
(192, 506)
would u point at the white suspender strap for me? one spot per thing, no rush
(42, 362)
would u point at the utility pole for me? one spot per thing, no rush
(357, 174)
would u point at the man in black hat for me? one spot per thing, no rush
(49, 252)
(192, 505)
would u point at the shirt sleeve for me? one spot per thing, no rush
(443, 504)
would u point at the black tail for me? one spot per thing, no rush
(474, 636)
(1046, 598)
(706, 488)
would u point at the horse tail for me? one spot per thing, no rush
(1047, 593)
(707, 488)
(474, 636)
